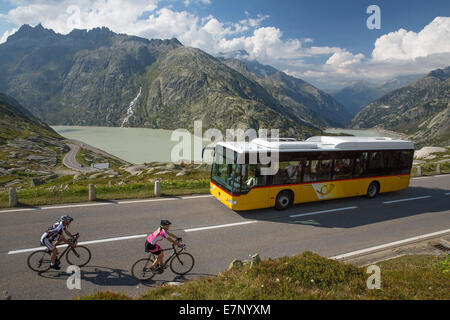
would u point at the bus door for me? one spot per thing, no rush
(254, 186)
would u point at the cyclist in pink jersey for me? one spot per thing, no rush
(151, 244)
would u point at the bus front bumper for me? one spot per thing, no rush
(223, 196)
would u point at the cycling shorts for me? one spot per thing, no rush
(48, 243)
(155, 249)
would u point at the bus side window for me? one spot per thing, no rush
(393, 163)
(307, 171)
(294, 171)
(360, 165)
(405, 161)
(314, 168)
(343, 169)
(325, 170)
(289, 172)
(376, 163)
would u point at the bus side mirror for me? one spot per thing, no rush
(207, 148)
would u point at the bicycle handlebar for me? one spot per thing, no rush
(183, 247)
(74, 238)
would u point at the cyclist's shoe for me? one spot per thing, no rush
(55, 266)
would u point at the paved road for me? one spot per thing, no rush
(329, 228)
(70, 160)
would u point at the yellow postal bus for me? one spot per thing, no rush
(319, 168)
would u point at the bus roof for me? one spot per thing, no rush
(319, 143)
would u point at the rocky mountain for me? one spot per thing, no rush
(303, 99)
(98, 77)
(83, 78)
(421, 110)
(27, 145)
(358, 95)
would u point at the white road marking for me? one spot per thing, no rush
(220, 226)
(18, 210)
(134, 237)
(82, 243)
(103, 204)
(76, 206)
(408, 199)
(436, 176)
(196, 197)
(144, 201)
(318, 212)
(164, 199)
(391, 244)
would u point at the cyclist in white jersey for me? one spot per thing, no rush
(151, 244)
(54, 236)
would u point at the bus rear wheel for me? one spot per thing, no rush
(284, 200)
(373, 190)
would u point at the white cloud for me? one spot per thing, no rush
(344, 58)
(409, 45)
(188, 2)
(6, 34)
(254, 22)
(62, 16)
(395, 53)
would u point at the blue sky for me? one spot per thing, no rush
(330, 22)
(323, 41)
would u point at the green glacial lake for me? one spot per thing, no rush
(139, 145)
(135, 145)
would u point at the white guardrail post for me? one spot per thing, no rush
(92, 195)
(13, 197)
(157, 189)
(419, 171)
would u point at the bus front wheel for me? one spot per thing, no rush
(373, 190)
(284, 200)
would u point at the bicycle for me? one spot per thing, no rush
(141, 269)
(80, 256)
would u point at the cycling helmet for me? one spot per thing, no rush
(66, 218)
(165, 223)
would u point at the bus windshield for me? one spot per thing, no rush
(225, 171)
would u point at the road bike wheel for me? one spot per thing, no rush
(39, 261)
(78, 256)
(182, 263)
(141, 269)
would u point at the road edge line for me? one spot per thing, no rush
(389, 245)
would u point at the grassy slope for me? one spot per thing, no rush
(16, 124)
(66, 189)
(310, 276)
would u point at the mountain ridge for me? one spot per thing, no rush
(421, 109)
(92, 77)
(361, 93)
